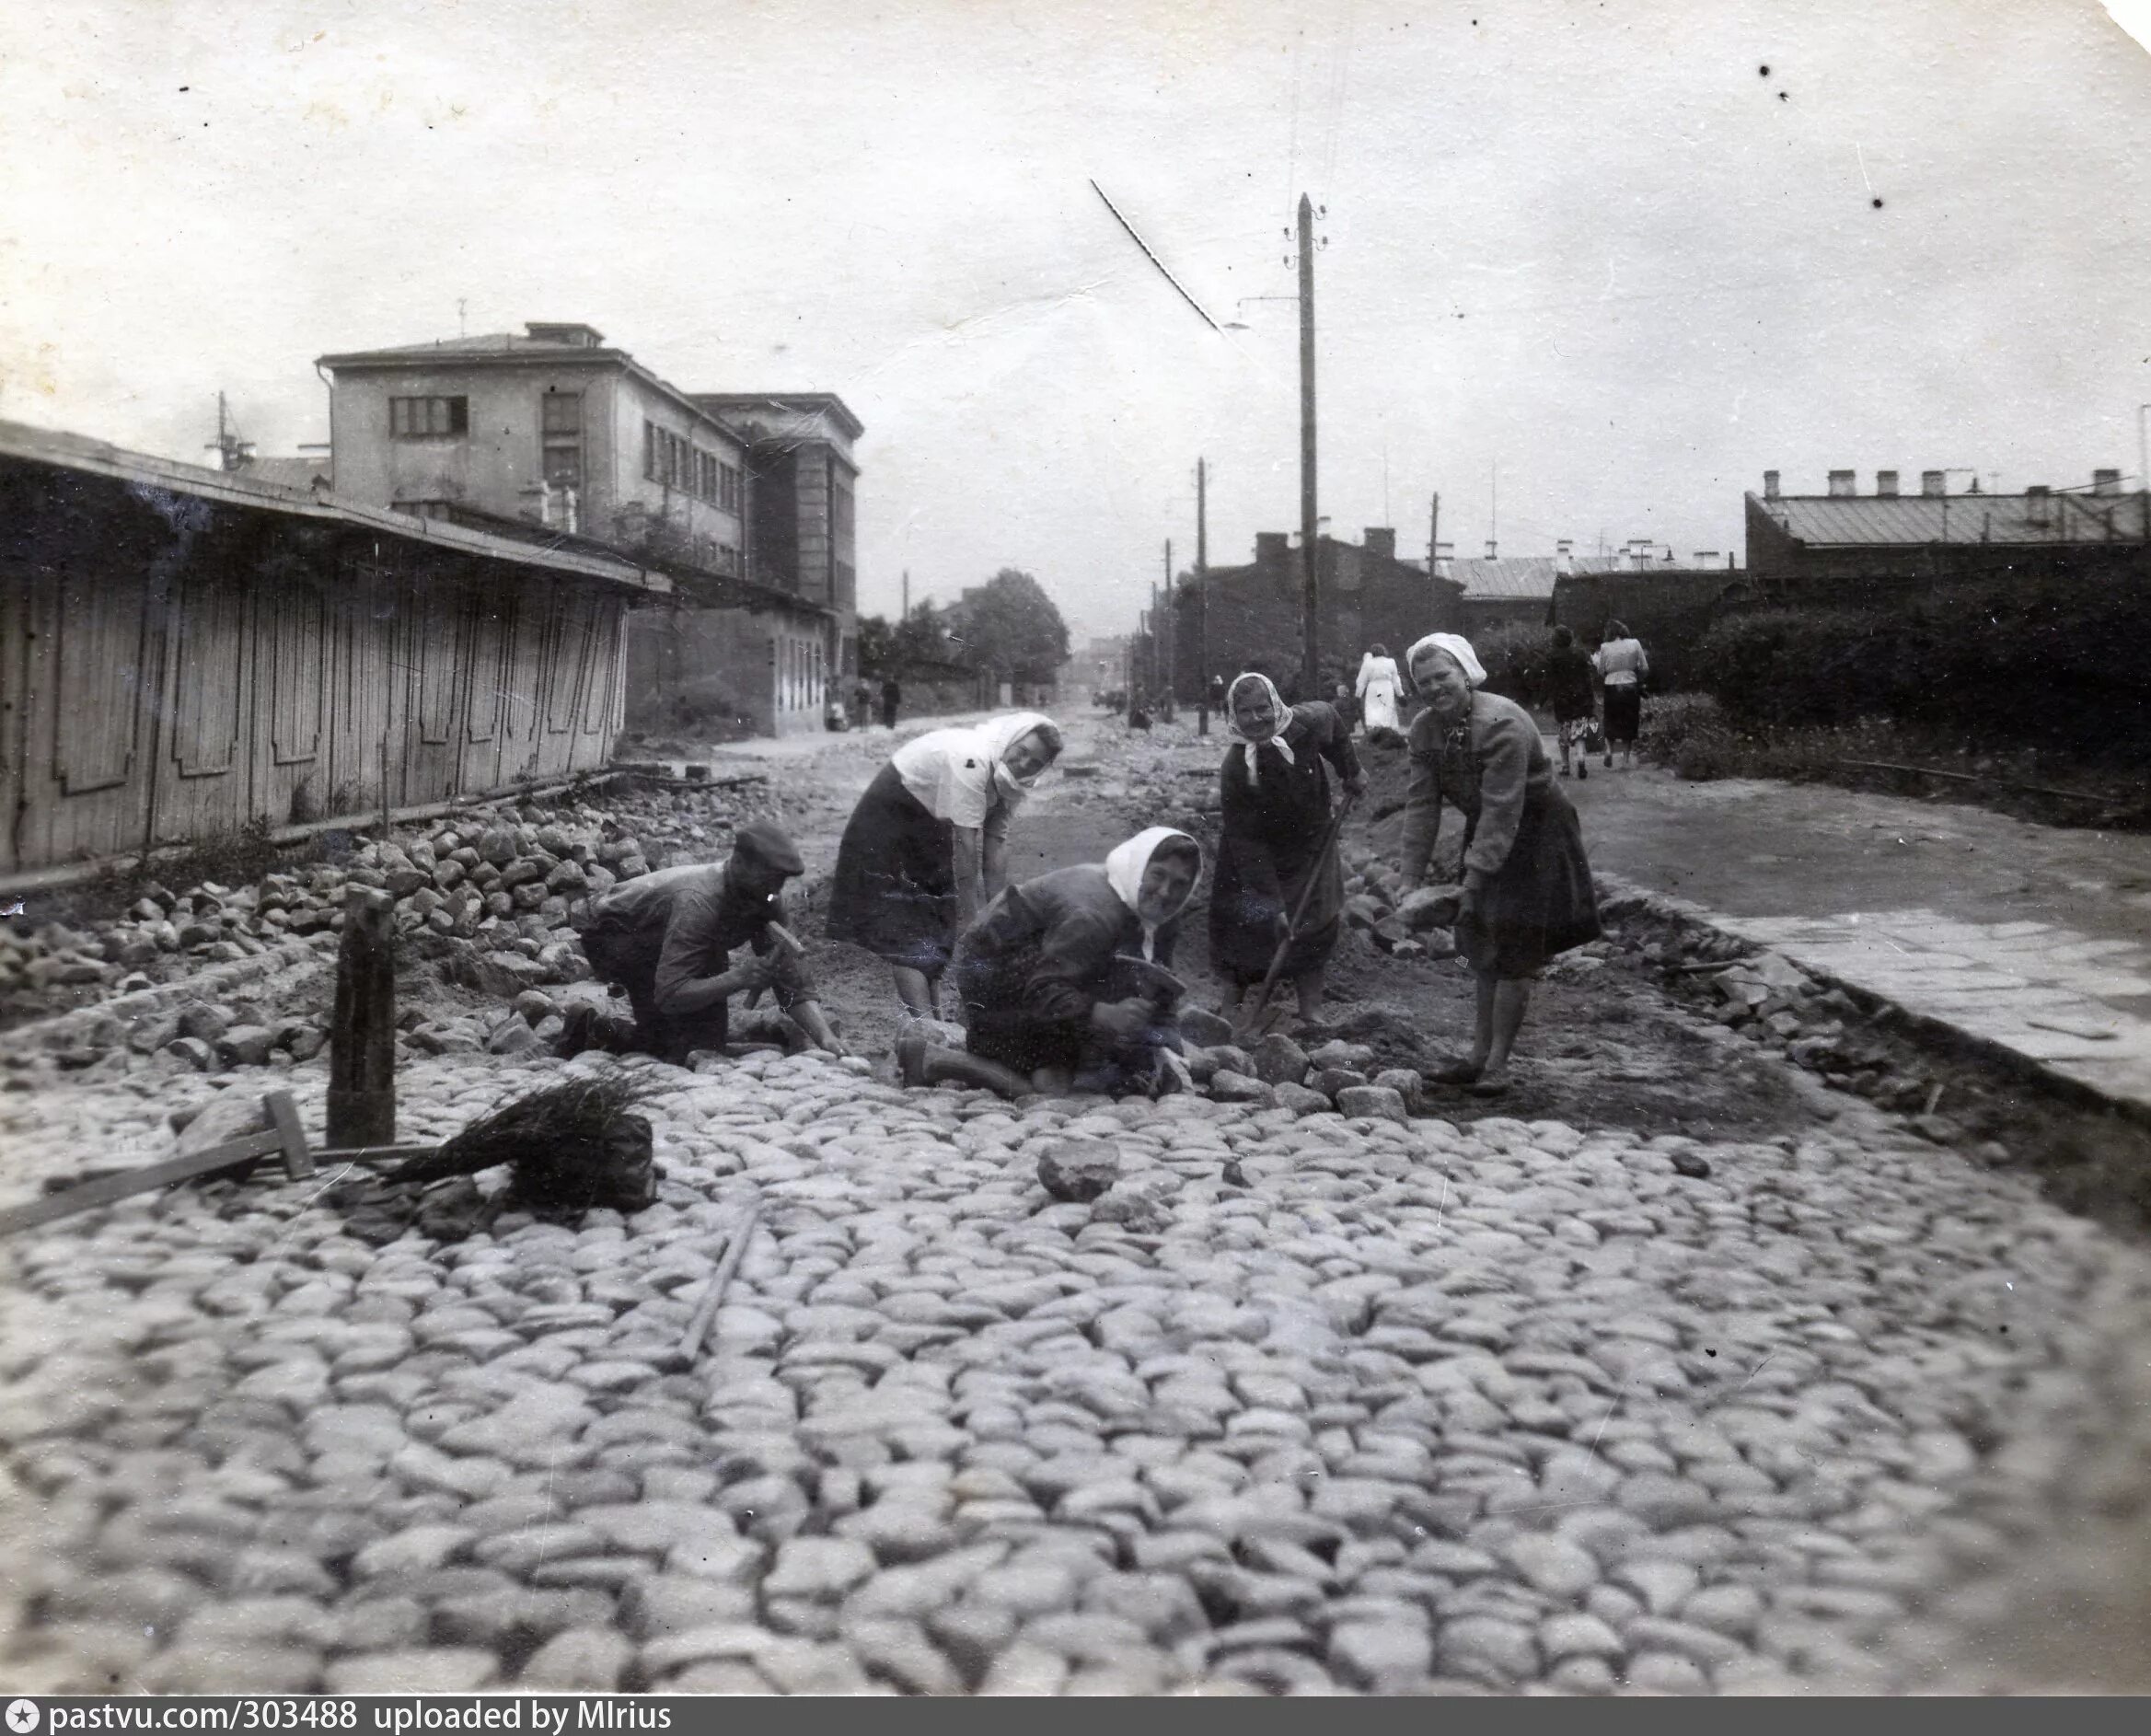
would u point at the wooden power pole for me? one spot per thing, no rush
(1170, 629)
(1202, 600)
(362, 1032)
(1310, 554)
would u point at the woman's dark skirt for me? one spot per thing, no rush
(1623, 713)
(1242, 941)
(1541, 903)
(895, 889)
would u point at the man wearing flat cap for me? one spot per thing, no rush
(668, 938)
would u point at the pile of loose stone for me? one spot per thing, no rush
(1271, 1400)
(484, 899)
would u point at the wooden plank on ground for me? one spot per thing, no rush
(106, 1190)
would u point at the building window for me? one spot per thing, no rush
(560, 425)
(650, 450)
(428, 418)
(728, 487)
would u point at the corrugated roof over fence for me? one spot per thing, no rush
(77, 451)
(1872, 520)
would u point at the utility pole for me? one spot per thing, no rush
(1172, 628)
(1311, 648)
(1434, 541)
(1157, 634)
(1202, 600)
(907, 614)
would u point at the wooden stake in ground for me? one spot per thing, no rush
(362, 1034)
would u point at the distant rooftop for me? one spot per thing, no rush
(1526, 576)
(1875, 520)
(737, 404)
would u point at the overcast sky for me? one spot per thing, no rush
(1596, 249)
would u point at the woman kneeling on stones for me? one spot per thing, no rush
(925, 848)
(1275, 794)
(1526, 892)
(1064, 980)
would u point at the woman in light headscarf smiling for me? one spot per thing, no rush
(1525, 892)
(1275, 790)
(1063, 979)
(926, 848)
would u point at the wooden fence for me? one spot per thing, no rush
(178, 661)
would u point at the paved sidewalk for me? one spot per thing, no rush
(2033, 937)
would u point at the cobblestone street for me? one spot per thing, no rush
(1303, 1403)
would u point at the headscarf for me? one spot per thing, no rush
(1284, 713)
(1457, 646)
(1000, 734)
(1127, 863)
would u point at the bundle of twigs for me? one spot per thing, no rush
(570, 1148)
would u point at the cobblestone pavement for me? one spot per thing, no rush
(1520, 1406)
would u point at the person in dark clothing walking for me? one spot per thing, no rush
(1568, 684)
(892, 697)
(668, 937)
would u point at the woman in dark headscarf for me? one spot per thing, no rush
(1277, 811)
(1063, 979)
(1525, 892)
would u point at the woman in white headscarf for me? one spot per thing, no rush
(1274, 790)
(1064, 980)
(1379, 687)
(926, 848)
(1524, 892)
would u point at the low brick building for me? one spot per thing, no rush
(1253, 614)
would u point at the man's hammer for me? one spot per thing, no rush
(790, 942)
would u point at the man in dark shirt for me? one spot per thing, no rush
(667, 938)
(892, 697)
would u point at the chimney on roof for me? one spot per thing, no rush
(1565, 555)
(1932, 483)
(1770, 485)
(1843, 484)
(2039, 504)
(2106, 481)
(1886, 485)
(1379, 541)
(1269, 554)
(575, 336)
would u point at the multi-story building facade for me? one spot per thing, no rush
(802, 482)
(751, 513)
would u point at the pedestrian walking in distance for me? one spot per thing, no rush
(1275, 786)
(1624, 668)
(668, 938)
(1064, 980)
(1345, 707)
(1568, 684)
(926, 848)
(1525, 892)
(1378, 689)
(892, 697)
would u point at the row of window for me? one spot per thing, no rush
(678, 462)
(669, 459)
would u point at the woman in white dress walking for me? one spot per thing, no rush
(1377, 690)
